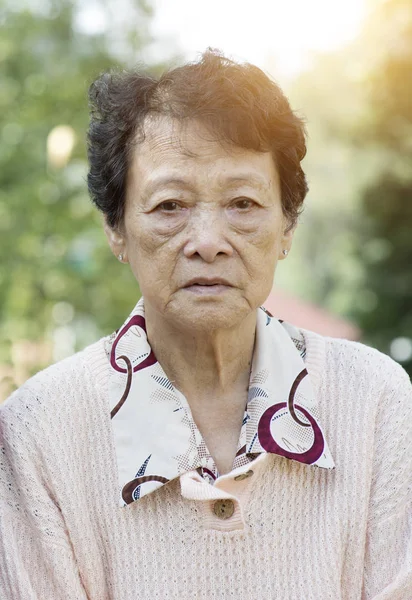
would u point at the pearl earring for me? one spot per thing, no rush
(285, 252)
(120, 257)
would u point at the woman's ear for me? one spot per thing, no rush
(287, 239)
(116, 241)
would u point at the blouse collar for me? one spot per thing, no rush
(155, 437)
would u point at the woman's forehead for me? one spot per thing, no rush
(174, 151)
(189, 137)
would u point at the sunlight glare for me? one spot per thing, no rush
(261, 31)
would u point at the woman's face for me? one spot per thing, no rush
(203, 227)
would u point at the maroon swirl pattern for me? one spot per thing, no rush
(209, 472)
(291, 400)
(268, 442)
(139, 321)
(129, 488)
(122, 400)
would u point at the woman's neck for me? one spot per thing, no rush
(203, 363)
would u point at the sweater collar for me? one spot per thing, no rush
(155, 437)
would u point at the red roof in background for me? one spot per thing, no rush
(309, 316)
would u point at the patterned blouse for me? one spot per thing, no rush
(156, 438)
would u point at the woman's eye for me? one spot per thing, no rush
(243, 203)
(169, 206)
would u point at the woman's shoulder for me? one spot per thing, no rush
(354, 363)
(60, 388)
(365, 399)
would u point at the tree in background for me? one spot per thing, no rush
(57, 277)
(385, 227)
(354, 251)
(58, 281)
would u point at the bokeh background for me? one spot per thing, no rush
(346, 66)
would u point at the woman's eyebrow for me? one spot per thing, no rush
(172, 180)
(164, 180)
(248, 178)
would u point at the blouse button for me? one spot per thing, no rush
(224, 509)
(243, 476)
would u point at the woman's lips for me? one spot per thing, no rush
(207, 289)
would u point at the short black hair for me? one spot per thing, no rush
(237, 101)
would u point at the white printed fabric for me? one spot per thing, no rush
(156, 438)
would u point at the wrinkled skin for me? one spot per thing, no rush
(197, 208)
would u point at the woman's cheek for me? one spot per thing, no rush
(151, 234)
(244, 222)
(166, 227)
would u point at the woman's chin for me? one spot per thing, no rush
(206, 316)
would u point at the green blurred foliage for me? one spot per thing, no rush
(52, 246)
(352, 252)
(385, 229)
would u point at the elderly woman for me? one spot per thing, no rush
(205, 449)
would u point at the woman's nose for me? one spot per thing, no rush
(207, 236)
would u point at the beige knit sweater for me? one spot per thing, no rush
(305, 533)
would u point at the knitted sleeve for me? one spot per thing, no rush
(388, 558)
(36, 557)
